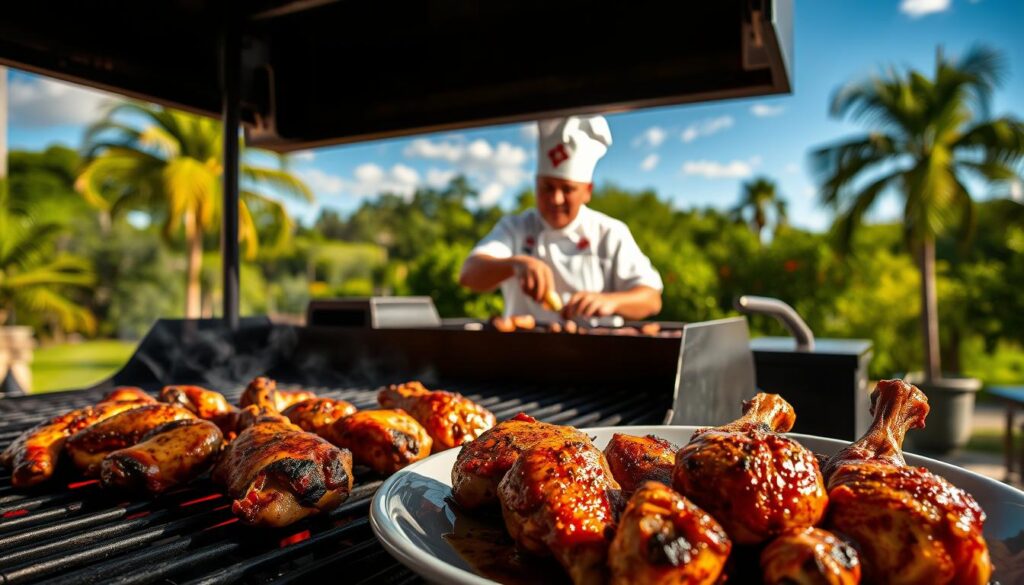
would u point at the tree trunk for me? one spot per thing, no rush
(193, 265)
(929, 311)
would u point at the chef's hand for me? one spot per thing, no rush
(535, 277)
(590, 304)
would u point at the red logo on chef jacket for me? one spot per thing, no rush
(583, 244)
(558, 155)
(529, 244)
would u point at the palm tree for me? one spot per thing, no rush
(33, 279)
(762, 196)
(928, 137)
(168, 163)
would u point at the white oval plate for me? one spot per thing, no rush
(411, 517)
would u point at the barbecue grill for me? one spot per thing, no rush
(302, 73)
(72, 531)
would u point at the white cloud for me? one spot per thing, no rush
(652, 137)
(303, 156)
(706, 128)
(45, 102)
(496, 166)
(792, 168)
(491, 194)
(650, 162)
(439, 179)
(529, 131)
(809, 191)
(766, 110)
(322, 183)
(709, 169)
(368, 180)
(919, 8)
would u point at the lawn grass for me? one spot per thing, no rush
(76, 365)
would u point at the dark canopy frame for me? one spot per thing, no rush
(298, 74)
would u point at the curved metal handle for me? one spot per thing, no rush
(787, 315)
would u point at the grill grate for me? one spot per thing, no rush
(79, 533)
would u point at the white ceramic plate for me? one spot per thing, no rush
(415, 523)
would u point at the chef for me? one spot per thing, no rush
(564, 257)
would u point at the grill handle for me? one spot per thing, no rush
(787, 315)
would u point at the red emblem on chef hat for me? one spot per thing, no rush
(583, 244)
(558, 155)
(530, 241)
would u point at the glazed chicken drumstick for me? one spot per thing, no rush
(171, 454)
(483, 463)
(664, 539)
(263, 393)
(89, 446)
(206, 404)
(637, 460)
(278, 474)
(753, 480)
(384, 440)
(810, 556)
(316, 415)
(33, 456)
(912, 526)
(559, 498)
(450, 418)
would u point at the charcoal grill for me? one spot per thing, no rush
(72, 531)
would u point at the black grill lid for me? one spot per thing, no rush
(318, 72)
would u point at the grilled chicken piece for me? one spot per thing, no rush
(128, 394)
(89, 446)
(263, 392)
(206, 404)
(637, 460)
(34, 455)
(481, 464)
(169, 455)
(316, 415)
(450, 418)
(560, 498)
(757, 483)
(665, 539)
(810, 556)
(911, 525)
(384, 440)
(278, 474)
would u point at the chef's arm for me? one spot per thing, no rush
(634, 304)
(638, 302)
(481, 273)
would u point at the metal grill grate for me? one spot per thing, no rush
(79, 533)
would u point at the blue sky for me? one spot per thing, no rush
(695, 155)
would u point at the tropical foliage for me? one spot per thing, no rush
(167, 164)
(930, 136)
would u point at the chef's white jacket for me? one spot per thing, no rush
(594, 253)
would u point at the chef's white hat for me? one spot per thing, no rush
(569, 148)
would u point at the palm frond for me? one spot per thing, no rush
(999, 140)
(837, 166)
(281, 181)
(848, 219)
(43, 300)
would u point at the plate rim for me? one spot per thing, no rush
(430, 568)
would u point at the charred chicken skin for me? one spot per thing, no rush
(89, 446)
(754, 481)
(665, 539)
(169, 455)
(206, 404)
(278, 474)
(262, 392)
(316, 415)
(450, 418)
(483, 463)
(637, 460)
(810, 556)
(559, 498)
(34, 455)
(384, 440)
(911, 525)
